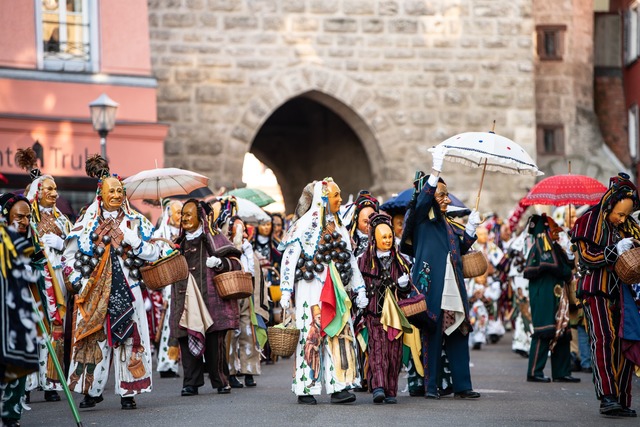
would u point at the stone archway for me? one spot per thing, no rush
(350, 149)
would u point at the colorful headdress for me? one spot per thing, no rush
(364, 200)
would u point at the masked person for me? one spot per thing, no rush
(549, 271)
(601, 235)
(438, 244)
(208, 253)
(386, 275)
(364, 206)
(317, 259)
(243, 344)
(168, 350)
(51, 227)
(104, 251)
(18, 334)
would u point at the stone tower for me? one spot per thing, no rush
(354, 89)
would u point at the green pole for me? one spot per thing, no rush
(61, 375)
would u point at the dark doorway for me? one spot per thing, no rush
(303, 141)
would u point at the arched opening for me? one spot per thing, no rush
(305, 140)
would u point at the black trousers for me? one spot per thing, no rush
(213, 361)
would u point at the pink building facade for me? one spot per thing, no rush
(56, 57)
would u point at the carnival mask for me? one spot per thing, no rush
(333, 193)
(620, 212)
(112, 194)
(190, 221)
(384, 237)
(175, 213)
(398, 223)
(482, 234)
(20, 216)
(276, 223)
(442, 197)
(48, 193)
(264, 228)
(363, 219)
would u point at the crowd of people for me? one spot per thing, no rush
(372, 291)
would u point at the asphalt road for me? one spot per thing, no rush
(507, 400)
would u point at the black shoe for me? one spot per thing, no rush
(609, 406)
(189, 391)
(343, 397)
(445, 392)
(431, 396)
(626, 412)
(169, 374)
(224, 390)
(416, 393)
(128, 403)
(378, 396)
(477, 346)
(390, 400)
(307, 400)
(90, 401)
(467, 394)
(536, 379)
(234, 383)
(249, 381)
(27, 399)
(359, 389)
(10, 422)
(566, 379)
(51, 396)
(588, 370)
(522, 353)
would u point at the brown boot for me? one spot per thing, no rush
(73, 381)
(88, 382)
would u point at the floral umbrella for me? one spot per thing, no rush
(567, 189)
(491, 152)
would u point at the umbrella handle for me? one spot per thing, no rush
(484, 169)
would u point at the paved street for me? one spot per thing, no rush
(507, 400)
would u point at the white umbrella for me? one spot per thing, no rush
(250, 212)
(158, 183)
(491, 152)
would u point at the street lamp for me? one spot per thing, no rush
(103, 117)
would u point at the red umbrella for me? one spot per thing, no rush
(568, 189)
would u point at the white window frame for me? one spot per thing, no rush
(633, 131)
(90, 14)
(631, 33)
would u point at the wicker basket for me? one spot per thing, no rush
(283, 341)
(170, 269)
(234, 284)
(474, 264)
(412, 306)
(628, 266)
(136, 367)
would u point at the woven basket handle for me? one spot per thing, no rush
(284, 317)
(167, 241)
(412, 286)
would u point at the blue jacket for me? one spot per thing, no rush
(434, 237)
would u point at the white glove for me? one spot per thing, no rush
(147, 304)
(53, 241)
(473, 222)
(285, 300)
(213, 262)
(438, 157)
(624, 245)
(129, 236)
(361, 300)
(403, 280)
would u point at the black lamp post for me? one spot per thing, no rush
(103, 117)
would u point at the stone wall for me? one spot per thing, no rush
(405, 75)
(565, 94)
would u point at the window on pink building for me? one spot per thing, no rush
(65, 35)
